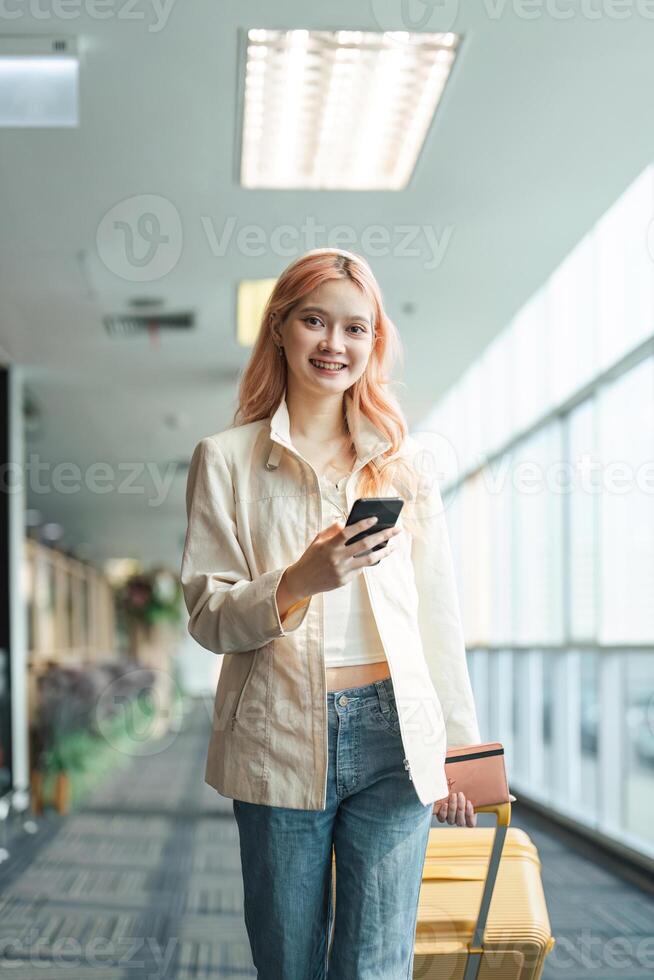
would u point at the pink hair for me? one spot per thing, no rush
(265, 376)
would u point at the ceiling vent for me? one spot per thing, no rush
(126, 324)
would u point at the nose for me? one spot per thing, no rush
(331, 344)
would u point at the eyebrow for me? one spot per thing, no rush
(319, 309)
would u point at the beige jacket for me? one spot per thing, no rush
(253, 506)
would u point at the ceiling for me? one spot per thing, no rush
(545, 120)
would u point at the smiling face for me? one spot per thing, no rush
(333, 323)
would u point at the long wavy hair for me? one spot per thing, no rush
(264, 378)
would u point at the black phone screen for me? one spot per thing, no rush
(386, 509)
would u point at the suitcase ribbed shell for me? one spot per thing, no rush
(518, 935)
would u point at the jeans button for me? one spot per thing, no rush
(342, 700)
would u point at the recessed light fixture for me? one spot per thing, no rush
(146, 302)
(339, 110)
(253, 294)
(39, 81)
(118, 570)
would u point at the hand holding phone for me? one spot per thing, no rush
(385, 509)
(330, 560)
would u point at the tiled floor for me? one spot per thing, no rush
(144, 882)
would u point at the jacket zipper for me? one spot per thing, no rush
(245, 684)
(322, 650)
(390, 667)
(322, 630)
(324, 668)
(324, 682)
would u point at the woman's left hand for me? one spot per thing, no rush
(457, 811)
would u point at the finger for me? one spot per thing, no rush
(387, 548)
(382, 537)
(384, 552)
(459, 813)
(371, 556)
(372, 536)
(351, 530)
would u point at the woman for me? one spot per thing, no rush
(338, 691)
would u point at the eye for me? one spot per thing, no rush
(355, 326)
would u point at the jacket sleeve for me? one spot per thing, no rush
(229, 611)
(439, 616)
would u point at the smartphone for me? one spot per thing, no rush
(386, 509)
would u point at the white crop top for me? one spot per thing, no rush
(351, 634)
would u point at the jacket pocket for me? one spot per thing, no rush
(248, 676)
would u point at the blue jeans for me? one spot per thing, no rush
(379, 830)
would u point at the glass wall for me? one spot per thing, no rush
(552, 527)
(6, 761)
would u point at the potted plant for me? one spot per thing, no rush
(150, 598)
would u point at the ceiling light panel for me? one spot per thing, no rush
(39, 81)
(252, 296)
(339, 110)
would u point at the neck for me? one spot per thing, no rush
(317, 420)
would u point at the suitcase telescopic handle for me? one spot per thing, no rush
(476, 945)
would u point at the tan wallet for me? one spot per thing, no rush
(478, 772)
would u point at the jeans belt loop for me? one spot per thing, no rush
(382, 694)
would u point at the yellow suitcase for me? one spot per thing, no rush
(481, 911)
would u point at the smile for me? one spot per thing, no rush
(325, 366)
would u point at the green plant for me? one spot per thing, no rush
(151, 597)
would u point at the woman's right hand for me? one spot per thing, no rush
(330, 562)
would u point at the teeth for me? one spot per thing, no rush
(328, 366)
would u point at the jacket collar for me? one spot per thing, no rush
(369, 441)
